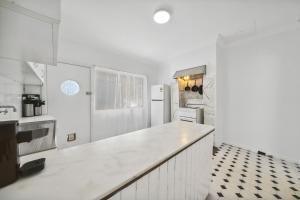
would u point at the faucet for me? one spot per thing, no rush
(5, 111)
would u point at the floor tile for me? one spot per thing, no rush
(242, 174)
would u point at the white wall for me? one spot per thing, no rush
(201, 56)
(258, 82)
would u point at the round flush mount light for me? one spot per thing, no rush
(161, 16)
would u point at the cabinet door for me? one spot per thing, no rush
(25, 38)
(49, 8)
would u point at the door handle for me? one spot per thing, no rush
(88, 93)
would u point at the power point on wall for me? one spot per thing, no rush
(71, 137)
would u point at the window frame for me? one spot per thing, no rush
(119, 73)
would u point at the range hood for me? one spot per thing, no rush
(194, 71)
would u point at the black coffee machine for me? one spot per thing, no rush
(32, 105)
(10, 169)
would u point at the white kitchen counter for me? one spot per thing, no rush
(24, 120)
(93, 170)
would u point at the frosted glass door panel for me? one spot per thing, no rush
(106, 94)
(120, 103)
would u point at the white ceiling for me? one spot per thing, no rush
(127, 26)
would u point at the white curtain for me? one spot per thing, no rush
(120, 103)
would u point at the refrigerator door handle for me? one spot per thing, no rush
(156, 99)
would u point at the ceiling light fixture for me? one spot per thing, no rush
(161, 16)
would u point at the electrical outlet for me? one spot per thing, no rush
(71, 137)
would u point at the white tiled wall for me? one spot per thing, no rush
(10, 93)
(209, 99)
(12, 76)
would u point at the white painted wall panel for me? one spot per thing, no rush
(116, 197)
(163, 182)
(129, 193)
(142, 191)
(154, 184)
(180, 176)
(196, 169)
(171, 179)
(189, 174)
(258, 81)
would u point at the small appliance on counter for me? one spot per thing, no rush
(32, 105)
(10, 169)
(38, 109)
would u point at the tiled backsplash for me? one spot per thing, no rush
(16, 78)
(209, 99)
(11, 93)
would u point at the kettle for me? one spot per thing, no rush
(10, 169)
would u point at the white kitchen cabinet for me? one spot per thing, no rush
(26, 35)
(49, 8)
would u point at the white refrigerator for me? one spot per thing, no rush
(160, 104)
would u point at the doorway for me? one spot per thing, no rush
(68, 91)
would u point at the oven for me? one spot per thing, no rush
(192, 115)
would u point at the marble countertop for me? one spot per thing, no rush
(93, 170)
(24, 120)
(14, 117)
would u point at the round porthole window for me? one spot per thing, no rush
(70, 87)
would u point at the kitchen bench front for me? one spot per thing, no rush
(171, 161)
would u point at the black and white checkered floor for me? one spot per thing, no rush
(242, 174)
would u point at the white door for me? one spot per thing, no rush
(157, 112)
(71, 109)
